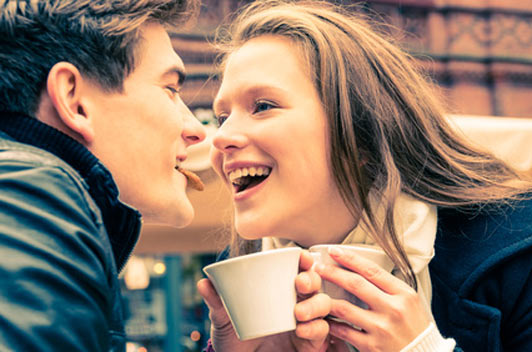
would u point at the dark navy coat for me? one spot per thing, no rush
(64, 236)
(482, 277)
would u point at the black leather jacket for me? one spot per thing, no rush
(64, 236)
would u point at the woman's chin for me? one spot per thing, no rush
(252, 236)
(250, 232)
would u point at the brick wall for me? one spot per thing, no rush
(478, 51)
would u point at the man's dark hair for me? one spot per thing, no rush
(99, 37)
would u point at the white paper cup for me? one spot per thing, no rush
(258, 291)
(320, 253)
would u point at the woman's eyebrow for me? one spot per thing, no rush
(217, 104)
(252, 90)
(262, 89)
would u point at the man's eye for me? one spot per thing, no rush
(173, 90)
(261, 106)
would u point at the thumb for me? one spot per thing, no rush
(218, 315)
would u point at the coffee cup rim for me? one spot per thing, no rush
(363, 247)
(248, 256)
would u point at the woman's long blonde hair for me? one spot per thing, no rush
(387, 129)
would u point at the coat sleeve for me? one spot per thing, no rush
(54, 283)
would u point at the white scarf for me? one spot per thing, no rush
(415, 224)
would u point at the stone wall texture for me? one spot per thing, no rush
(478, 51)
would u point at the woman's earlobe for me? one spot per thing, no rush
(65, 87)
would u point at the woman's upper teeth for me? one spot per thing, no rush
(248, 171)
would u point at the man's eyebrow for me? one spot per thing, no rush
(176, 70)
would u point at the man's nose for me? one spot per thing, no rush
(193, 131)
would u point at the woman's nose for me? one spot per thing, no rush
(229, 137)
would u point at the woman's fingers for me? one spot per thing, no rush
(315, 330)
(209, 294)
(317, 306)
(305, 261)
(369, 270)
(218, 315)
(354, 283)
(307, 282)
(396, 313)
(346, 333)
(311, 326)
(359, 317)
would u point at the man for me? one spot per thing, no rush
(92, 130)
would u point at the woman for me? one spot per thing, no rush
(329, 135)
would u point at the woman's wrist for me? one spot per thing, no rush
(430, 340)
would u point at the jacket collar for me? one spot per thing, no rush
(122, 222)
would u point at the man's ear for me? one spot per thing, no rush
(65, 87)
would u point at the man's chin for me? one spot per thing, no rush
(178, 219)
(184, 222)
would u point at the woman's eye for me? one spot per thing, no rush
(220, 119)
(261, 106)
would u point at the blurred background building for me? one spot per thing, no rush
(479, 52)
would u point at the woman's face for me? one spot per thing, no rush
(272, 147)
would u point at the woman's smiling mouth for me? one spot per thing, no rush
(248, 177)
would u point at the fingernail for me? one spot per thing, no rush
(319, 267)
(335, 251)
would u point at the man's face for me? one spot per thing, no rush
(142, 133)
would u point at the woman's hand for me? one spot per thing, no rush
(311, 334)
(395, 317)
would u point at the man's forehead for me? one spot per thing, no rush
(157, 55)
